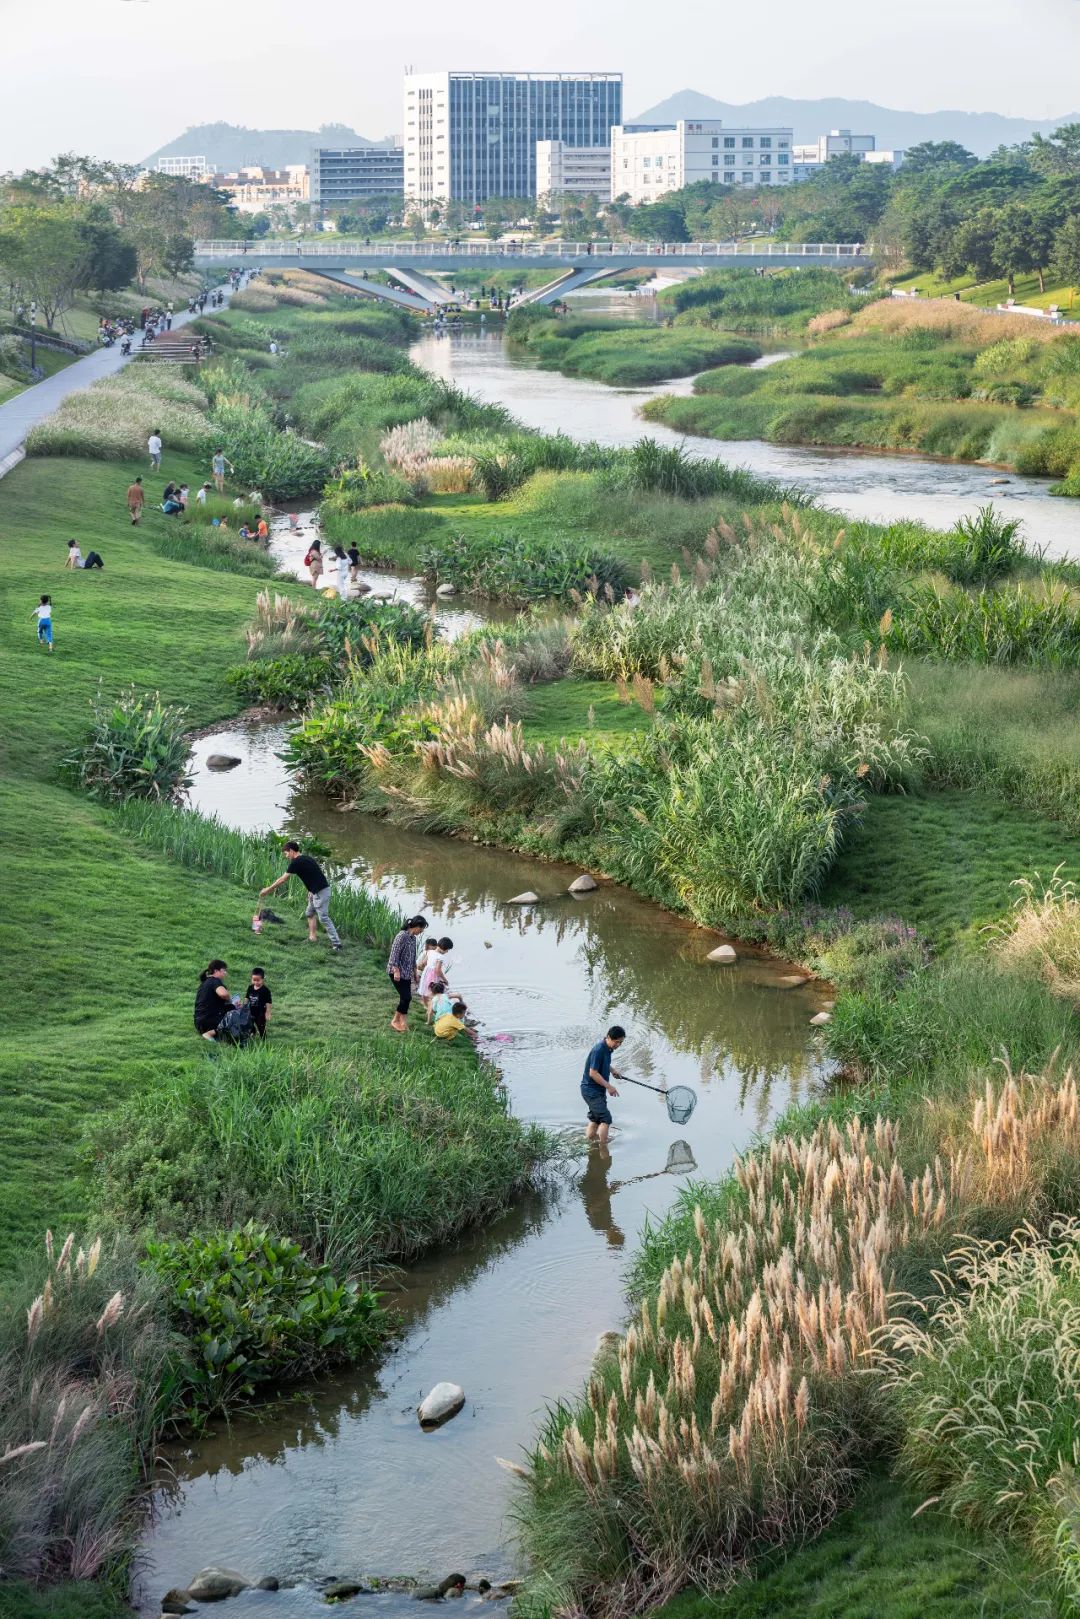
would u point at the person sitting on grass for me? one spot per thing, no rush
(451, 1024)
(75, 558)
(212, 1000)
(260, 1001)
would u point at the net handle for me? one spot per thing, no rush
(660, 1090)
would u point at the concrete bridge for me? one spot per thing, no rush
(573, 264)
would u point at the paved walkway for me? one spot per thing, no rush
(31, 406)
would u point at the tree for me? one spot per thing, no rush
(178, 254)
(111, 259)
(1065, 261)
(1013, 241)
(660, 222)
(46, 257)
(1058, 154)
(937, 155)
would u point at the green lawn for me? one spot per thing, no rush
(576, 708)
(879, 1562)
(945, 861)
(988, 294)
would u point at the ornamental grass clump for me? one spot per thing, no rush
(136, 747)
(111, 420)
(1042, 933)
(87, 1369)
(750, 1391)
(985, 1395)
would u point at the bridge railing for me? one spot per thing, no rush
(385, 252)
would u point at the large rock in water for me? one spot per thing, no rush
(723, 953)
(582, 885)
(445, 591)
(528, 898)
(819, 1019)
(444, 1402)
(216, 1584)
(222, 761)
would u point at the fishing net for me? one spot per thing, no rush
(681, 1102)
(680, 1160)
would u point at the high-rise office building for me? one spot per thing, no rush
(469, 136)
(344, 174)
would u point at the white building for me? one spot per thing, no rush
(576, 171)
(648, 160)
(473, 135)
(187, 168)
(837, 143)
(892, 160)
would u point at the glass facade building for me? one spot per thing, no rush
(469, 136)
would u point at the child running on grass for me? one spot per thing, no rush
(43, 614)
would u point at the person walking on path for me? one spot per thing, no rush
(218, 465)
(401, 968)
(136, 497)
(153, 445)
(43, 614)
(596, 1084)
(317, 884)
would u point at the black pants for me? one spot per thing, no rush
(93, 560)
(403, 985)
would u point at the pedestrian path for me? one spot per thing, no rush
(25, 410)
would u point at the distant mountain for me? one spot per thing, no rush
(231, 146)
(980, 132)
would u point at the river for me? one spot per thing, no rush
(337, 1479)
(867, 485)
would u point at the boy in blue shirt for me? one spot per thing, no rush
(596, 1084)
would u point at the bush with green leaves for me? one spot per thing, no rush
(356, 488)
(255, 1310)
(136, 747)
(286, 682)
(523, 567)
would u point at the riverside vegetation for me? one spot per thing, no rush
(937, 377)
(728, 745)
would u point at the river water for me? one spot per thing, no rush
(338, 1480)
(874, 487)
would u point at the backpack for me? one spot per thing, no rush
(237, 1026)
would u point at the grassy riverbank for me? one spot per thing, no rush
(939, 378)
(619, 352)
(115, 1116)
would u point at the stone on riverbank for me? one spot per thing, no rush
(222, 761)
(445, 590)
(819, 1019)
(176, 1602)
(342, 1590)
(444, 1401)
(724, 953)
(528, 898)
(217, 1584)
(582, 885)
(452, 1586)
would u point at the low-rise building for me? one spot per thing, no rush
(648, 160)
(563, 170)
(253, 190)
(345, 174)
(892, 159)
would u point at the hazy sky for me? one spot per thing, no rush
(118, 78)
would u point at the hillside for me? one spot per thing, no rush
(232, 146)
(980, 132)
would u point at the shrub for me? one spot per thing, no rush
(87, 1377)
(1042, 934)
(1007, 625)
(357, 488)
(523, 567)
(136, 747)
(256, 1310)
(282, 465)
(285, 682)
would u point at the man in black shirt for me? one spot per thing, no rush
(260, 1000)
(315, 881)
